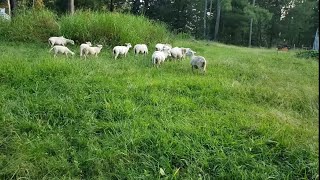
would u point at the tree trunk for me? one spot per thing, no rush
(71, 6)
(251, 22)
(210, 10)
(9, 8)
(216, 29)
(111, 7)
(12, 6)
(205, 18)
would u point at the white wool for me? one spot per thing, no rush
(92, 50)
(59, 41)
(122, 50)
(197, 62)
(160, 46)
(62, 50)
(140, 48)
(159, 57)
(83, 47)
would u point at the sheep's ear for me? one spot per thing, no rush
(194, 52)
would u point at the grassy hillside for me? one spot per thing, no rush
(254, 115)
(98, 27)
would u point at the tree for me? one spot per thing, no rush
(9, 7)
(111, 6)
(205, 18)
(216, 29)
(251, 22)
(210, 11)
(71, 6)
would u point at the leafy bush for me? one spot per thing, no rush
(32, 25)
(308, 54)
(111, 28)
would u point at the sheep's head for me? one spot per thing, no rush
(128, 45)
(190, 52)
(184, 50)
(89, 43)
(71, 41)
(166, 49)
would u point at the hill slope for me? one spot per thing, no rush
(254, 115)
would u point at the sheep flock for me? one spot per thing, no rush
(161, 54)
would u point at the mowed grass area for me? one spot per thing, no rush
(253, 115)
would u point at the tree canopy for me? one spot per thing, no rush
(290, 22)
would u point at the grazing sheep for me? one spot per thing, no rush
(121, 50)
(83, 47)
(184, 51)
(92, 50)
(62, 50)
(159, 57)
(197, 62)
(59, 41)
(159, 46)
(140, 48)
(178, 53)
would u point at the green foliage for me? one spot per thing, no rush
(298, 24)
(108, 28)
(253, 115)
(112, 28)
(31, 26)
(308, 54)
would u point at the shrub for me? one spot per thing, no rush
(308, 54)
(31, 25)
(112, 28)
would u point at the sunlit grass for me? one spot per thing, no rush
(253, 115)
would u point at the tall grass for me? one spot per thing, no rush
(30, 26)
(99, 27)
(112, 28)
(254, 115)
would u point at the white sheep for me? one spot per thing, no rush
(140, 48)
(83, 47)
(121, 50)
(92, 50)
(197, 62)
(159, 57)
(178, 53)
(59, 41)
(62, 50)
(159, 46)
(184, 51)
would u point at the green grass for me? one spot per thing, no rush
(253, 115)
(112, 28)
(98, 27)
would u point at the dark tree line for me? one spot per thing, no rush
(271, 22)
